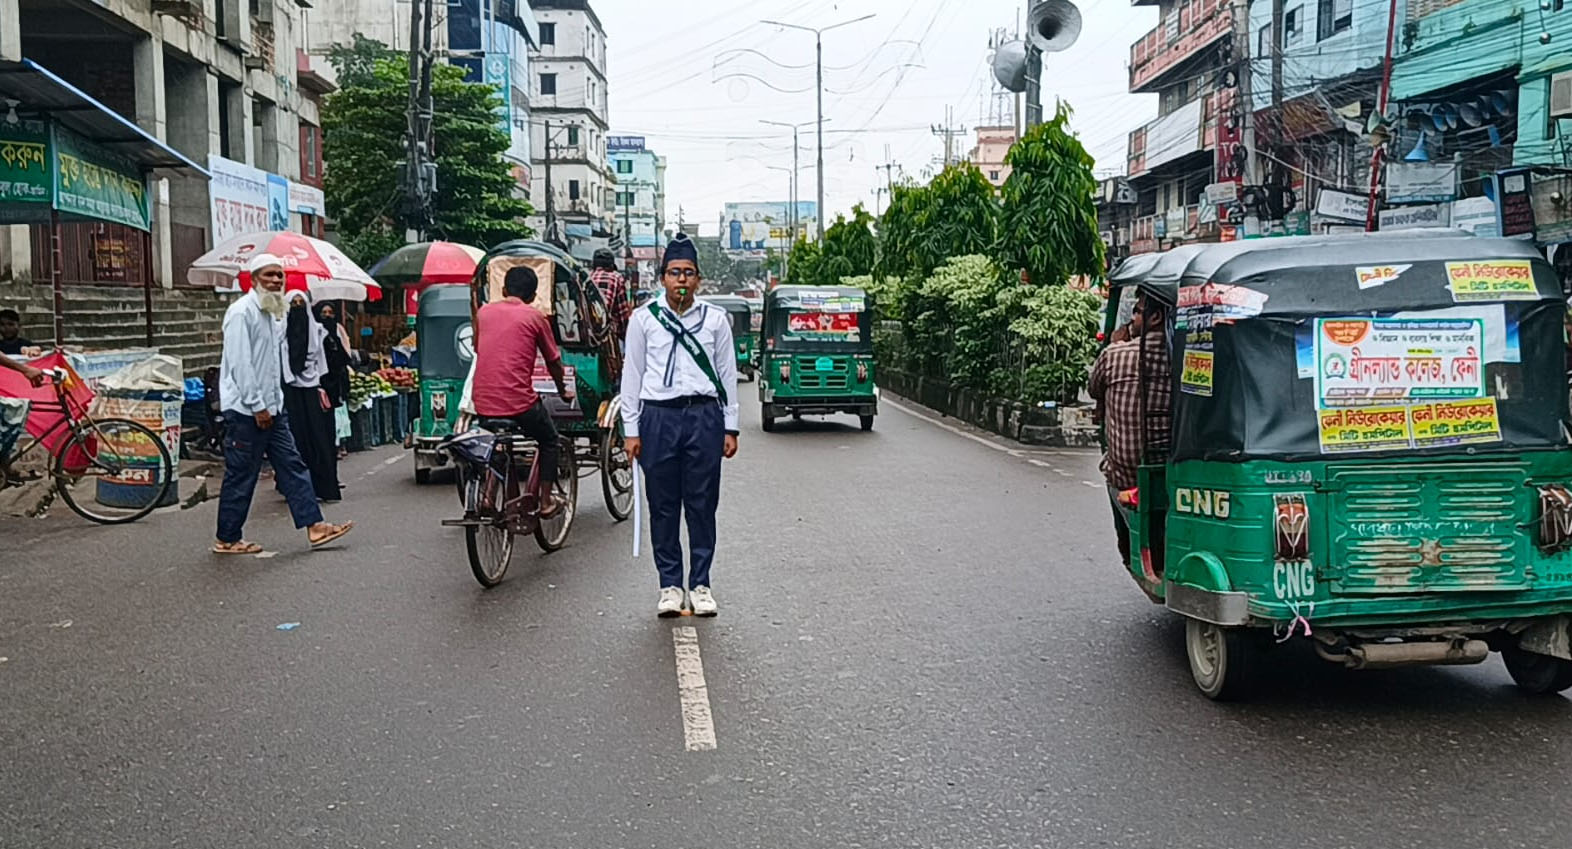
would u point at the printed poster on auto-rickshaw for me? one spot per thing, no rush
(1497, 280)
(1363, 362)
(823, 327)
(1364, 429)
(1455, 423)
(1196, 376)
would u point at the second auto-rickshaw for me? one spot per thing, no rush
(818, 354)
(743, 332)
(447, 346)
(1369, 449)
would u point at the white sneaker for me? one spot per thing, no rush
(703, 603)
(671, 602)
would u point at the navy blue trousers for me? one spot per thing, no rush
(681, 458)
(244, 447)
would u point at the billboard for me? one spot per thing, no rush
(751, 228)
(620, 144)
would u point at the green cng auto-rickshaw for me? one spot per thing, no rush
(742, 331)
(446, 339)
(1368, 449)
(818, 354)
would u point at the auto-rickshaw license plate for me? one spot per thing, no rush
(439, 404)
(824, 364)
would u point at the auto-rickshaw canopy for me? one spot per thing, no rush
(1331, 347)
(443, 329)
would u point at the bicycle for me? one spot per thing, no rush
(128, 465)
(497, 507)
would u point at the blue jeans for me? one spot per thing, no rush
(244, 447)
(681, 458)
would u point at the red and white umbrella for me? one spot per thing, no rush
(310, 265)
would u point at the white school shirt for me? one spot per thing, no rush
(657, 368)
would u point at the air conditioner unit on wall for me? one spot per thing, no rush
(1561, 95)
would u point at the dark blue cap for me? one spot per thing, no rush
(680, 247)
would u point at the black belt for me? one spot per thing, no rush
(683, 402)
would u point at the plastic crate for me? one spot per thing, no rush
(359, 430)
(388, 409)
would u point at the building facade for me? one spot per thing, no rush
(223, 88)
(1188, 62)
(574, 191)
(989, 151)
(640, 175)
(493, 42)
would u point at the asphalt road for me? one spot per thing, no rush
(923, 643)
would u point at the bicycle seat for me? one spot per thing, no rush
(500, 427)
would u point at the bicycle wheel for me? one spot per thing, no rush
(490, 545)
(113, 471)
(616, 472)
(551, 534)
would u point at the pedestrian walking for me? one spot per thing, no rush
(679, 412)
(306, 399)
(335, 344)
(256, 422)
(613, 287)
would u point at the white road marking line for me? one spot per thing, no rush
(698, 726)
(391, 460)
(1003, 449)
(1062, 472)
(1041, 463)
(265, 555)
(1094, 485)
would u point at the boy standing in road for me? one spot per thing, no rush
(679, 412)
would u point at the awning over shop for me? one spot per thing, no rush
(42, 91)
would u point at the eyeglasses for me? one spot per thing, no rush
(683, 273)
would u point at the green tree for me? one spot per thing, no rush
(364, 126)
(803, 264)
(1048, 221)
(954, 215)
(850, 247)
(1053, 340)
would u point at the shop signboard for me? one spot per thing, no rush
(1415, 217)
(92, 182)
(1421, 182)
(239, 198)
(1515, 204)
(1344, 206)
(26, 187)
(1548, 190)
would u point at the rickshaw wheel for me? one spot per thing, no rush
(866, 421)
(1536, 673)
(422, 476)
(1219, 659)
(551, 534)
(616, 475)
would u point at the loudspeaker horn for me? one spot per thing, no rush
(1010, 61)
(1419, 153)
(1054, 25)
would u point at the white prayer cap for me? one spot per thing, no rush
(263, 260)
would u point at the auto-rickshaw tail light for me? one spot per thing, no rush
(862, 372)
(1291, 528)
(1555, 517)
(785, 371)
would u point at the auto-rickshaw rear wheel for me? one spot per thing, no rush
(866, 422)
(1537, 673)
(1220, 659)
(767, 417)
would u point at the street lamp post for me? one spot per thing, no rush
(818, 70)
(791, 178)
(795, 176)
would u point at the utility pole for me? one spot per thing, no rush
(1277, 74)
(551, 217)
(889, 170)
(419, 175)
(948, 132)
(1379, 153)
(796, 175)
(1241, 15)
(818, 66)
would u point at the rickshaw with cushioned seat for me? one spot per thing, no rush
(1368, 451)
(590, 426)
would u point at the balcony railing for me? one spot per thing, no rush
(1193, 223)
(1190, 28)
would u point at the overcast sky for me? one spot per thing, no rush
(665, 57)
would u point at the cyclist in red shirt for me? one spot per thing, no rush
(509, 336)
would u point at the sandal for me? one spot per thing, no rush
(336, 532)
(240, 547)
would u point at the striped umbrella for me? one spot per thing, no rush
(428, 262)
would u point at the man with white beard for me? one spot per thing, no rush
(251, 389)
